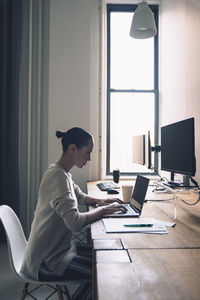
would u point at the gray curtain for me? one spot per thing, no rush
(33, 105)
(10, 44)
(24, 63)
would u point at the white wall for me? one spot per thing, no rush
(74, 63)
(73, 81)
(180, 64)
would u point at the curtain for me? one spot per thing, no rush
(10, 44)
(24, 63)
(33, 105)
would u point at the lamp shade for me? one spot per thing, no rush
(143, 24)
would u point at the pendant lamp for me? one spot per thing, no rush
(143, 24)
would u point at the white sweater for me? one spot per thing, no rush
(56, 217)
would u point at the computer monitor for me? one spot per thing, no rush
(148, 150)
(178, 148)
(139, 149)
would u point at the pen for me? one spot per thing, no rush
(138, 225)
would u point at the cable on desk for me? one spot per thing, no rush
(197, 185)
(159, 200)
(190, 203)
(161, 177)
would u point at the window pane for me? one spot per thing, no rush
(130, 114)
(132, 60)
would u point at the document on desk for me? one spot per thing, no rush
(140, 225)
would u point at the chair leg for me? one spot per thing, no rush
(66, 292)
(60, 292)
(24, 292)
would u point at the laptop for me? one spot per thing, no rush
(134, 209)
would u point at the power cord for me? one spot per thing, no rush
(198, 188)
(194, 182)
(190, 203)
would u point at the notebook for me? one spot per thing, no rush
(134, 209)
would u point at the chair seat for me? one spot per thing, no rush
(58, 280)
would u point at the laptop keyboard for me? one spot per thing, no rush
(128, 208)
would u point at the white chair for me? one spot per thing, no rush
(16, 246)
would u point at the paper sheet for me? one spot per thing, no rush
(113, 225)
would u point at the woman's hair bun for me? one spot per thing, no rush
(60, 134)
(75, 135)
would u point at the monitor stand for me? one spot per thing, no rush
(175, 184)
(186, 181)
(171, 183)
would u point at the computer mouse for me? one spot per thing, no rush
(112, 191)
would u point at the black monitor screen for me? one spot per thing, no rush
(178, 147)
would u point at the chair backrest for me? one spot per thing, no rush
(15, 237)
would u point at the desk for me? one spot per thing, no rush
(152, 274)
(149, 266)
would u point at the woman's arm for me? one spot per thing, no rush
(100, 202)
(98, 212)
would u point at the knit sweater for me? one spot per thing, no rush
(55, 218)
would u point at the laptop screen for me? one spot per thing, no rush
(139, 191)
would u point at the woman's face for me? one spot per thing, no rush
(83, 154)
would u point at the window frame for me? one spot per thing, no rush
(131, 8)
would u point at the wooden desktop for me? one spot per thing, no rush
(149, 266)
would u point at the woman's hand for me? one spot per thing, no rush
(100, 211)
(109, 201)
(113, 207)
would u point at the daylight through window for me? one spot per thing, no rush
(132, 104)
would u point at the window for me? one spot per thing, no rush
(132, 90)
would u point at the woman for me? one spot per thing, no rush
(50, 252)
